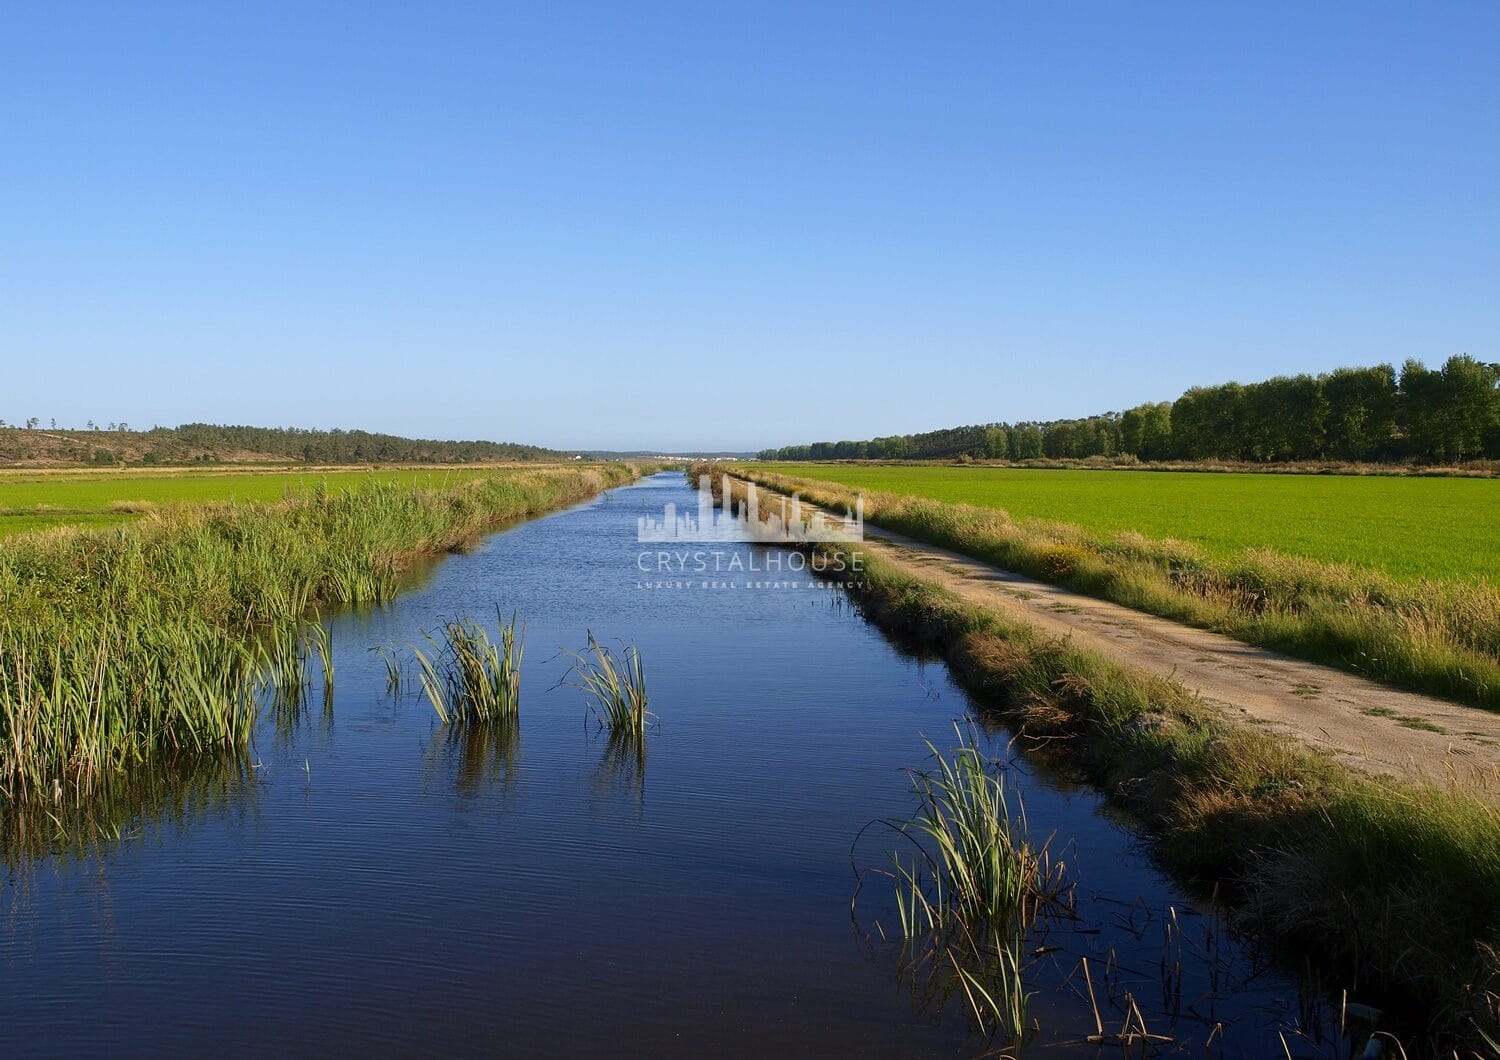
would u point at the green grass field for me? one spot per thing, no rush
(85, 498)
(1446, 529)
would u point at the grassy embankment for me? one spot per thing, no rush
(1395, 886)
(1392, 887)
(149, 643)
(1434, 630)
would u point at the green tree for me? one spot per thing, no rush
(1209, 423)
(1361, 411)
(1058, 439)
(1449, 414)
(1156, 431)
(1283, 418)
(1027, 444)
(1469, 387)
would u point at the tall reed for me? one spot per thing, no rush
(967, 897)
(615, 684)
(318, 638)
(469, 679)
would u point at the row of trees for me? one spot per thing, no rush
(1444, 415)
(212, 443)
(345, 447)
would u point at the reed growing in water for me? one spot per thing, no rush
(616, 686)
(966, 899)
(148, 642)
(470, 679)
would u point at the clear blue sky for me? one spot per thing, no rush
(711, 225)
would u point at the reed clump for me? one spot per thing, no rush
(615, 683)
(968, 896)
(470, 679)
(977, 853)
(149, 641)
(1438, 637)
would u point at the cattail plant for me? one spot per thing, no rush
(615, 684)
(468, 678)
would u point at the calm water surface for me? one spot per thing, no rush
(376, 886)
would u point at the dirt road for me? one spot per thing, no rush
(1364, 724)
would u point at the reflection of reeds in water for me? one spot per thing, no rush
(482, 759)
(152, 796)
(967, 897)
(620, 772)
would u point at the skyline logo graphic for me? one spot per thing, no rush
(783, 522)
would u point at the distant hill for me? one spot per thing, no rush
(207, 443)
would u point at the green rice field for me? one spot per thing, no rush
(32, 501)
(1445, 529)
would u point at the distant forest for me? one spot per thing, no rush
(353, 447)
(212, 443)
(1446, 415)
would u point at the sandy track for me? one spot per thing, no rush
(1364, 724)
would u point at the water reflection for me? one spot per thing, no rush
(619, 777)
(151, 799)
(294, 717)
(482, 760)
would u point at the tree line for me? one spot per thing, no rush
(214, 443)
(346, 447)
(1444, 415)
